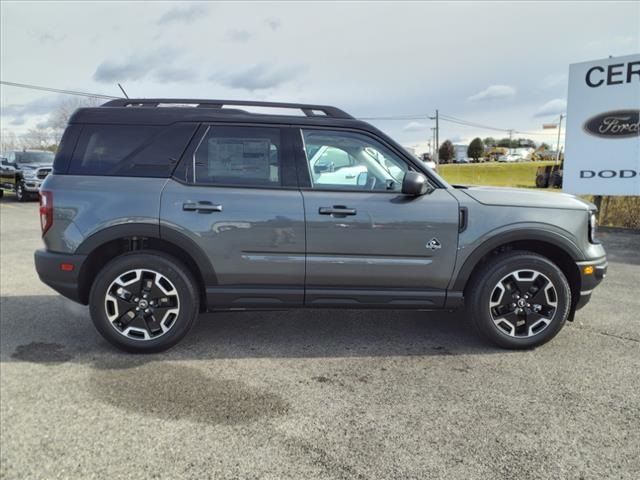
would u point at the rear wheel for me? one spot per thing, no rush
(519, 300)
(144, 302)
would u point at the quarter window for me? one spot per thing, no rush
(243, 156)
(351, 161)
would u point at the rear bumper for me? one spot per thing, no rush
(589, 281)
(66, 283)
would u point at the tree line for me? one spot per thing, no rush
(478, 147)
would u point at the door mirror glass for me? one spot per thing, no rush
(415, 183)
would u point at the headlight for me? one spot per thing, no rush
(593, 224)
(30, 174)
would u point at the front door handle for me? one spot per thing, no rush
(202, 207)
(339, 210)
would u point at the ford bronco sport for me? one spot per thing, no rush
(159, 209)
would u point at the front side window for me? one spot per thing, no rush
(243, 156)
(351, 161)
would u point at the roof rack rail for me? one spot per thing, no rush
(308, 110)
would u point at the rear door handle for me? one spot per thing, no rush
(202, 207)
(340, 210)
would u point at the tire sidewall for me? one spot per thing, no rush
(489, 278)
(165, 265)
(20, 193)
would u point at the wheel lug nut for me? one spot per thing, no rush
(147, 310)
(137, 309)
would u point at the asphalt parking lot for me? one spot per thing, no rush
(315, 394)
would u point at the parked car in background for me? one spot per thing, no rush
(23, 171)
(428, 161)
(512, 157)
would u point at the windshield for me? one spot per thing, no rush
(34, 157)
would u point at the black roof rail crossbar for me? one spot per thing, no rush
(308, 110)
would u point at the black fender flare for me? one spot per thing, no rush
(496, 239)
(154, 231)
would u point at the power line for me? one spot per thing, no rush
(455, 120)
(57, 90)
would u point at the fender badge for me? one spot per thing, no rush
(433, 244)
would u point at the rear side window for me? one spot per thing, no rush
(243, 156)
(130, 150)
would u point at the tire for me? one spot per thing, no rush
(501, 296)
(1, 193)
(542, 181)
(21, 195)
(166, 313)
(556, 180)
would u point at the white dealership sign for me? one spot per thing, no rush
(602, 147)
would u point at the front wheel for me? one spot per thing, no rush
(21, 195)
(519, 300)
(144, 302)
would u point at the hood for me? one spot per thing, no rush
(523, 197)
(33, 166)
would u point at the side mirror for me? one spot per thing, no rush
(415, 183)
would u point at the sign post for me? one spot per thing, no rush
(602, 151)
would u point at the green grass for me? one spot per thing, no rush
(521, 174)
(621, 212)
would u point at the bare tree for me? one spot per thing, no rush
(59, 118)
(8, 141)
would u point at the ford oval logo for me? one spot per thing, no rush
(616, 124)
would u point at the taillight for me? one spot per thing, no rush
(46, 210)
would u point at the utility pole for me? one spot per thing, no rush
(510, 139)
(436, 157)
(433, 142)
(558, 145)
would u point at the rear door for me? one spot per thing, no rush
(367, 243)
(235, 197)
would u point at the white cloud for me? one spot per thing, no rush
(239, 36)
(552, 107)
(415, 127)
(259, 77)
(138, 66)
(494, 92)
(184, 13)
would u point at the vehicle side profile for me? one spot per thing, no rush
(23, 171)
(159, 209)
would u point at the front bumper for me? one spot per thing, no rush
(50, 271)
(592, 272)
(32, 185)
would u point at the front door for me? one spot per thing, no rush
(367, 243)
(235, 198)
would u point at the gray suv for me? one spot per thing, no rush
(159, 209)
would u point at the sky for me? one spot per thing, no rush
(498, 64)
